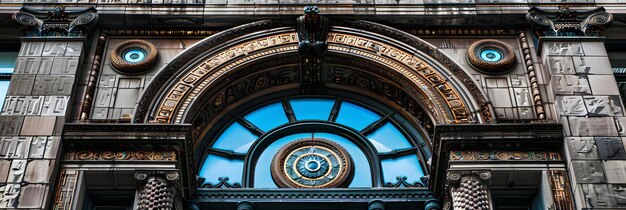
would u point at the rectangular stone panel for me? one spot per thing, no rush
(603, 85)
(522, 97)
(14, 147)
(21, 84)
(53, 85)
(126, 98)
(562, 48)
(610, 148)
(594, 48)
(10, 126)
(618, 192)
(33, 196)
(570, 84)
(74, 49)
(519, 80)
(31, 48)
(593, 65)
(615, 171)
(52, 147)
(588, 171)
(4, 170)
(54, 49)
(11, 194)
(107, 81)
(581, 147)
(560, 64)
(592, 126)
(16, 172)
(55, 105)
(33, 65)
(104, 97)
(39, 171)
(597, 195)
(500, 97)
(65, 65)
(22, 105)
(603, 105)
(38, 126)
(37, 147)
(571, 105)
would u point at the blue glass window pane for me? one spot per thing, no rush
(387, 138)
(312, 109)
(236, 138)
(407, 165)
(215, 167)
(268, 117)
(362, 171)
(355, 116)
(4, 87)
(262, 175)
(7, 61)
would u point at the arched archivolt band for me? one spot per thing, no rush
(446, 92)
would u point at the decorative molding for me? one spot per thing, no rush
(160, 32)
(312, 30)
(121, 155)
(505, 156)
(376, 205)
(123, 131)
(318, 195)
(532, 76)
(245, 205)
(222, 183)
(57, 22)
(94, 74)
(503, 56)
(566, 22)
(401, 182)
(561, 191)
(147, 56)
(66, 190)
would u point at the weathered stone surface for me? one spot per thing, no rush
(603, 105)
(16, 173)
(562, 48)
(10, 126)
(21, 85)
(571, 105)
(54, 49)
(31, 48)
(38, 126)
(65, 65)
(5, 165)
(581, 147)
(588, 171)
(618, 192)
(22, 105)
(592, 65)
(53, 85)
(603, 85)
(570, 84)
(615, 171)
(33, 196)
(55, 105)
(597, 195)
(52, 147)
(10, 195)
(593, 126)
(610, 148)
(74, 49)
(15, 147)
(37, 147)
(33, 65)
(39, 171)
(560, 65)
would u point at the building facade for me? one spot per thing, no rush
(263, 104)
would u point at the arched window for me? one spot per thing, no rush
(316, 142)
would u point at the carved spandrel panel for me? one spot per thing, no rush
(33, 65)
(66, 65)
(16, 172)
(588, 171)
(14, 147)
(563, 48)
(560, 65)
(581, 147)
(570, 84)
(571, 105)
(22, 105)
(610, 148)
(37, 147)
(593, 126)
(55, 105)
(10, 195)
(54, 49)
(53, 85)
(31, 48)
(603, 105)
(597, 195)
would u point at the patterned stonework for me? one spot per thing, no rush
(121, 155)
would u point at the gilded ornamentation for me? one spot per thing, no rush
(560, 190)
(312, 163)
(505, 155)
(134, 56)
(121, 155)
(491, 56)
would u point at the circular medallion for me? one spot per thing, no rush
(134, 56)
(491, 56)
(312, 163)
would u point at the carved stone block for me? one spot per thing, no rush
(603, 85)
(31, 48)
(610, 148)
(99, 113)
(16, 172)
(74, 49)
(39, 171)
(53, 85)
(66, 65)
(38, 126)
(127, 98)
(10, 195)
(500, 97)
(10, 126)
(54, 49)
(33, 65)
(615, 171)
(55, 105)
(52, 147)
(4, 170)
(14, 147)
(618, 192)
(562, 48)
(35, 194)
(37, 147)
(104, 97)
(107, 81)
(519, 80)
(560, 65)
(571, 105)
(592, 65)
(522, 97)
(581, 147)
(21, 85)
(594, 48)
(22, 105)
(588, 171)
(603, 105)
(526, 112)
(597, 195)
(592, 126)
(570, 84)
(620, 122)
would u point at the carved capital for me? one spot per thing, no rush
(568, 22)
(469, 189)
(432, 204)
(376, 205)
(158, 190)
(57, 22)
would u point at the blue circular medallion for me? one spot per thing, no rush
(134, 55)
(491, 55)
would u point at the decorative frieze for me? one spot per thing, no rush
(505, 156)
(121, 155)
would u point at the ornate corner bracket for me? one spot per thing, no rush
(565, 22)
(469, 190)
(57, 22)
(312, 30)
(158, 190)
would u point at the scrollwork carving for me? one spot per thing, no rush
(566, 22)
(57, 22)
(222, 183)
(402, 182)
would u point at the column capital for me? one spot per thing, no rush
(569, 22)
(56, 22)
